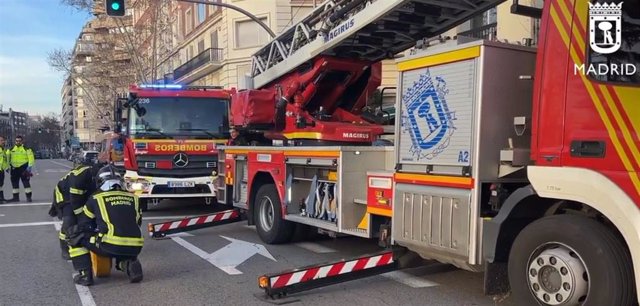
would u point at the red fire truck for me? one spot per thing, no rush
(171, 135)
(520, 162)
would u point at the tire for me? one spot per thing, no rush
(270, 225)
(583, 261)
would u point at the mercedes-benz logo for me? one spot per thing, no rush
(181, 160)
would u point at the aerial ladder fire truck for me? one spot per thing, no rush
(518, 162)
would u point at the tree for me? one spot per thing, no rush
(45, 133)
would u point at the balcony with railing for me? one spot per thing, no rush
(488, 31)
(85, 48)
(202, 64)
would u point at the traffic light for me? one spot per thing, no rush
(115, 8)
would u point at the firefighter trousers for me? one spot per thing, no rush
(83, 262)
(69, 219)
(17, 175)
(2, 199)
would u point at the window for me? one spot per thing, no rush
(243, 72)
(202, 14)
(214, 39)
(627, 58)
(250, 34)
(188, 19)
(213, 9)
(200, 46)
(88, 59)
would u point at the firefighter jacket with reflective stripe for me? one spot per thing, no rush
(21, 155)
(117, 216)
(61, 192)
(81, 186)
(4, 159)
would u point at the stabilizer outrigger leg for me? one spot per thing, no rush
(160, 230)
(278, 285)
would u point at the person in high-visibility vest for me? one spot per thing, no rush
(109, 227)
(4, 166)
(21, 160)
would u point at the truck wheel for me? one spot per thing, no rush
(271, 227)
(570, 260)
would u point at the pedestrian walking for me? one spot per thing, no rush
(21, 160)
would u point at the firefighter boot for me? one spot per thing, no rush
(133, 268)
(16, 198)
(84, 277)
(28, 194)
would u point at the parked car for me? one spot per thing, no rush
(90, 156)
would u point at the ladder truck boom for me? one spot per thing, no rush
(369, 30)
(313, 80)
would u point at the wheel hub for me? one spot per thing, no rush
(558, 276)
(266, 214)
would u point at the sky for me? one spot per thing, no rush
(29, 29)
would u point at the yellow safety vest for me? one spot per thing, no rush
(4, 159)
(20, 156)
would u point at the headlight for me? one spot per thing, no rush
(137, 185)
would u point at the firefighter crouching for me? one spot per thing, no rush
(69, 196)
(21, 160)
(109, 227)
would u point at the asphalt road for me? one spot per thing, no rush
(212, 266)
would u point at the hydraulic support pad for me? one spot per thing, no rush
(159, 230)
(280, 284)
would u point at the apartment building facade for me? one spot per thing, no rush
(67, 114)
(211, 45)
(100, 68)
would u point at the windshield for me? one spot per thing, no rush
(179, 116)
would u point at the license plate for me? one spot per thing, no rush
(181, 184)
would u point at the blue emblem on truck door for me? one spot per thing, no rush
(427, 117)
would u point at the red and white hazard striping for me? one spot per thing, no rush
(330, 270)
(225, 215)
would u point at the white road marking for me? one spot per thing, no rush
(56, 170)
(61, 164)
(85, 295)
(315, 247)
(25, 204)
(180, 235)
(1, 215)
(409, 279)
(28, 224)
(57, 225)
(230, 256)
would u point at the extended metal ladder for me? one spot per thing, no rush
(365, 29)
